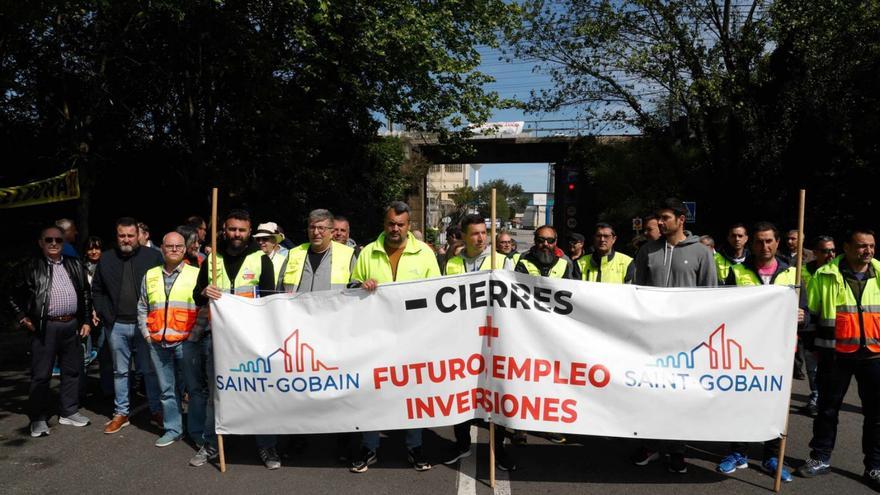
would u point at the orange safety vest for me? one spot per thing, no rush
(171, 318)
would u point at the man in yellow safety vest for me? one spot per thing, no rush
(395, 256)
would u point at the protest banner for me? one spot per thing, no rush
(62, 187)
(529, 353)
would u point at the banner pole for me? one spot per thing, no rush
(220, 449)
(780, 460)
(492, 423)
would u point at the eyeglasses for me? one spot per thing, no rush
(53, 240)
(547, 240)
(174, 247)
(318, 228)
(827, 251)
(264, 239)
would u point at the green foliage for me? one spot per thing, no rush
(275, 101)
(509, 199)
(759, 98)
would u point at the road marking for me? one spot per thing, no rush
(502, 482)
(467, 468)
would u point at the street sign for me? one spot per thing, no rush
(637, 224)
(571, 223)
(691, 211)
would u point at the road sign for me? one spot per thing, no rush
(571, 223)
(691, 211)
(637, 224)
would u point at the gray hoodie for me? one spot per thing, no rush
(687, 264)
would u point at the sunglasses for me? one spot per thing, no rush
(53, 240)
(548, 240)
(827, 251)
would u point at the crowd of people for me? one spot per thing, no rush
(144, 308)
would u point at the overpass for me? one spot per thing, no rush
(525, 147)
(518, 148)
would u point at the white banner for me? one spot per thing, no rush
(530, 353)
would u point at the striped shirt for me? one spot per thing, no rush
(62, 293)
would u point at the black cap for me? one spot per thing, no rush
(575, 237)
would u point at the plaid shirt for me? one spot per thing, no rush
(62, 293)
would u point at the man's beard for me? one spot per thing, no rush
(544, 257)
(125, 248)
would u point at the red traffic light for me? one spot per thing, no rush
(571, 187)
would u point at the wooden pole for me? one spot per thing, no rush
(220, 449)
(492, 423)
(780, 460)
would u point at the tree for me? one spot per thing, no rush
(756, 99)
(509, 199)
(276, 102)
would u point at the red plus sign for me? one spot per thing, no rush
(489, 331)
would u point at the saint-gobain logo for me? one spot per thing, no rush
(298, 358)
(723, 354)
(295, 355)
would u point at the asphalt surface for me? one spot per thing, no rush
(84, 460)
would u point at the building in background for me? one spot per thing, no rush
(442, 181)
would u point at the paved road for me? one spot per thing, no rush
(83, 460)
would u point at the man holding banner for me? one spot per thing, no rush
(476, 256)
(677, 259)
(763, 267)
(320, 264)
(845, 296)
(244, 270)
(395, 256)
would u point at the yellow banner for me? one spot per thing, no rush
(59, 188)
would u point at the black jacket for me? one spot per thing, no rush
(106, 284)
(29, 294)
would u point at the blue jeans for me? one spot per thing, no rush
(125, 338)
(198, 373)
(167, 362)
(413, 439)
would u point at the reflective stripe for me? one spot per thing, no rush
(826, 323)
(871, 308)
(824, 343)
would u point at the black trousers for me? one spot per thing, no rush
(59, 339)
(834, 376)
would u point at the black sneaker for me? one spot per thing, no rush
(457, 453)
(505, 461)
(418, 461)
(872, 478)
(644, 456)
(363, 461)
(270, 457)
(677, 464)
(813, 467)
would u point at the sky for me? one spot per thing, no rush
(515, 80)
